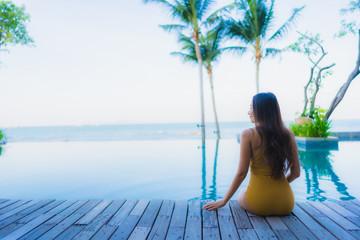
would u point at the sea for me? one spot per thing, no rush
(130, 132)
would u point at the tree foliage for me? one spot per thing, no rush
(312, 47)
(254, 26)
(13, 20)
(348, 24)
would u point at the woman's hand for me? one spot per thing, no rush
(214, 205)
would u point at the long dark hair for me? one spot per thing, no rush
(273, 133)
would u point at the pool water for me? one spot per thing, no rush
(165, 169)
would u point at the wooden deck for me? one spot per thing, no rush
(166, 219)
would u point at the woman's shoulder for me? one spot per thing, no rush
(248, 133)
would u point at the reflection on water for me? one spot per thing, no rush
(318, 165)
(212, 188)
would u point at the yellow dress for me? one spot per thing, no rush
(265, 195)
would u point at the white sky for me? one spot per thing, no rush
(105, 62)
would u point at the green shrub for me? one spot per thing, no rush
(1, 135)
(318, 127)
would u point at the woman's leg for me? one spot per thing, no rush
(242, 201)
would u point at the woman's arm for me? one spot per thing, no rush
(295, 167)
(245, 154)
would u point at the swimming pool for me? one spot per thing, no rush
(165, 169)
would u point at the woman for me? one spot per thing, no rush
(270, 150)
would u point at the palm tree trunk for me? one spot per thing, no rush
(258, 56)
(209, 70)
(198, 55)
(257, 76)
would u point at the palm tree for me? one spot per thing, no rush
(210, 52)
(190, 13)
(252, 29)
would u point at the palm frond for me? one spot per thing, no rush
(264, 14)
(186, 58)
(272, 52)
(240, 30)
(216, 35)
(238, 51)
(285, 27)
(218, 15)
(177, 28)
(203, 7)
(269, 18)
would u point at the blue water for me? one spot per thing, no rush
(171, 131)
(150, 161)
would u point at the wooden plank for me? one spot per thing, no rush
(71, 219)
(350, 206)
(12, 206)
(340, 209)
(210, 229)
(279, 228)
(2, 200)
(60, 213)
(34, 207)
(226, 223)
(193, 224)
(143, 228)
(15, 211)
(311, 224)
(161, 225)
(331, 226)
(209, 217)
(100, 220)
(139, 233)
(70, 232)
(105, 232)
(297, 227)
(150, 214)
(247, 234)
(334, 216)
(355, 234)
(25, 228)
(22, 221)
(93, 213)
(178, 221)
(7, 225)
(89, 214)
(32, 224)
(241, 219)
(261, 228)
(127, 226)
(210, 233)
(123, 212)
(6, 204)
(40, 211)
(357, 202)
(352, 217)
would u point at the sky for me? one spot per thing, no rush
(108, 62)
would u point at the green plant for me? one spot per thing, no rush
(1, 135)
(317, 127)
(13, 21)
